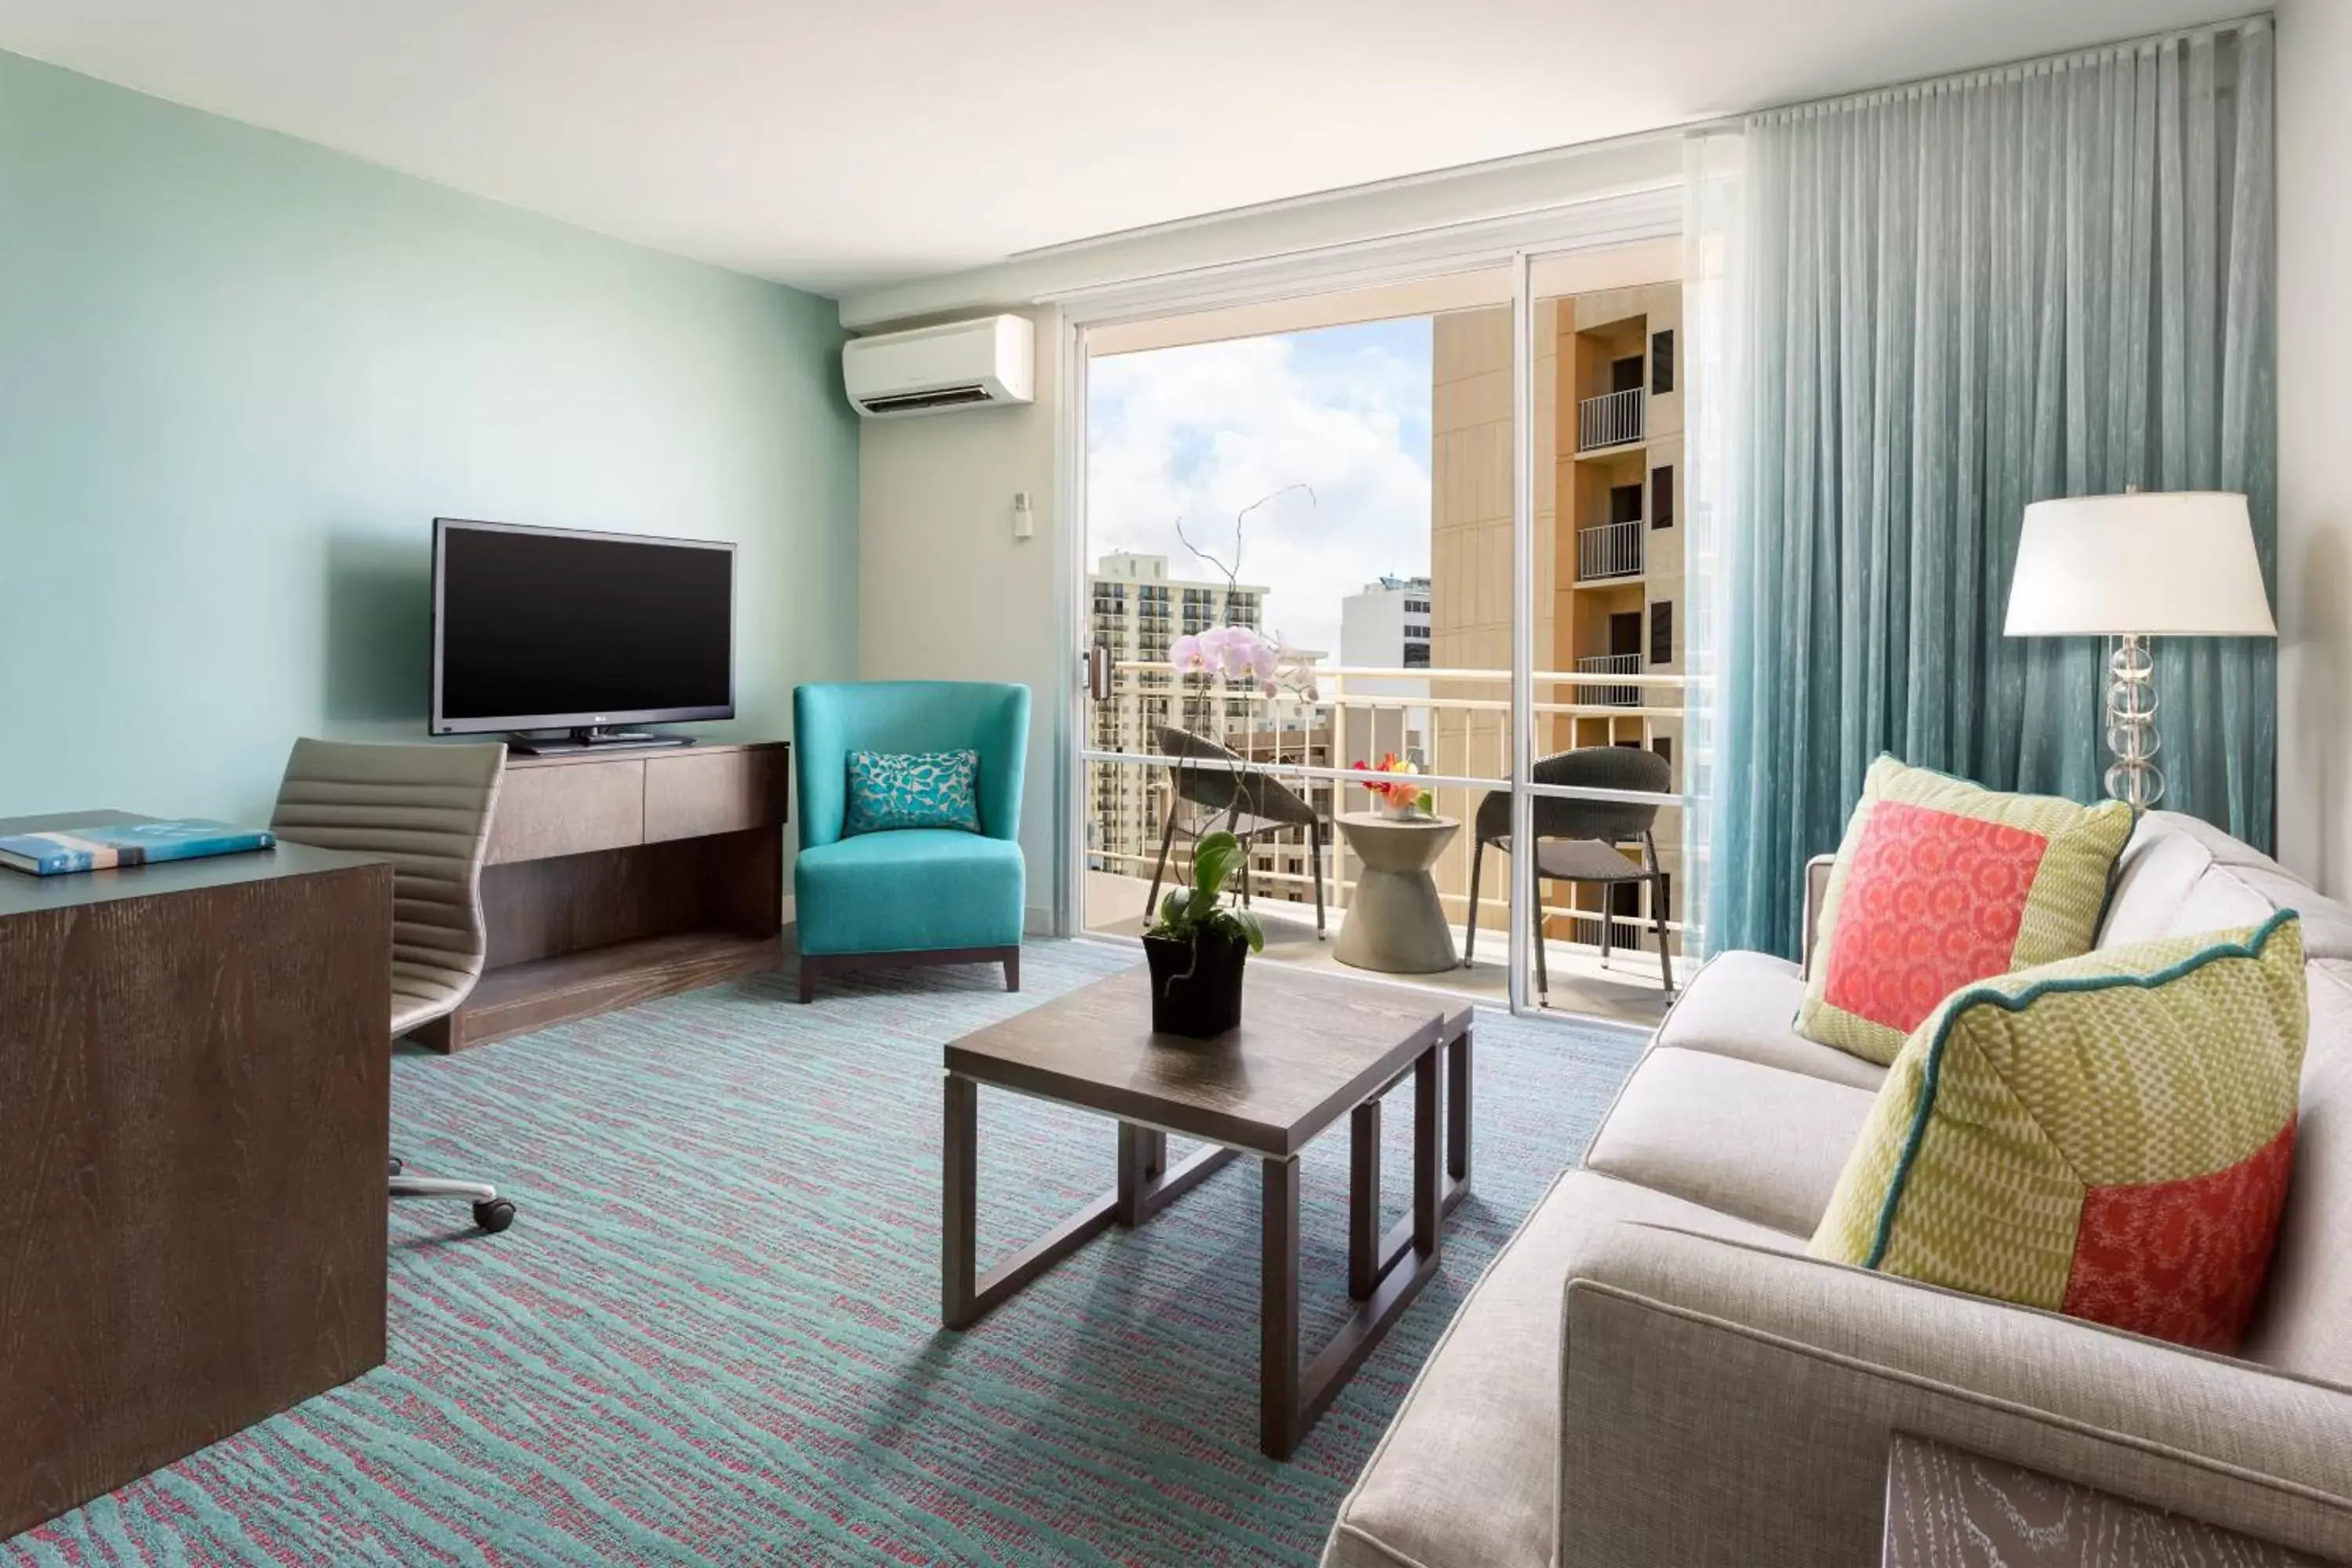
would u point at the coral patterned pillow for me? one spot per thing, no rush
(2109, 1137)
(1942, 882)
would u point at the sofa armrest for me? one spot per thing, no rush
(1723, 1403)
(1817, 892)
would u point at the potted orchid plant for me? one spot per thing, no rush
(1197, 948)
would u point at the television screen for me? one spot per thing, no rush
(545, 628)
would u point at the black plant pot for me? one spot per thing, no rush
(1207, 1001)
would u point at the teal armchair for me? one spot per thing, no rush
(916, 895)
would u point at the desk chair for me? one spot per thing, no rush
(426, 808)
(1576, 840)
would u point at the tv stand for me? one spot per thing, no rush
(613, 876)
(596, 738)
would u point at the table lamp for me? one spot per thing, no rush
(2131, 567)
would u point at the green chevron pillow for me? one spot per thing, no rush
(2109, 1137)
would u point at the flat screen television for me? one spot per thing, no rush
(552, 628)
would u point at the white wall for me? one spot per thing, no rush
(945, 592)
(2315, 355)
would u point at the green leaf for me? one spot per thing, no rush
(1212, 860)
(1172, 913)
(1252, 932)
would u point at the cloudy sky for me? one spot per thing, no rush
(1199, 433)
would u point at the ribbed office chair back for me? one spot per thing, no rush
(427, 809)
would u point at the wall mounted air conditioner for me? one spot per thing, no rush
(963, 364)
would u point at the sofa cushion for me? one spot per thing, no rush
(1742, 1005)
(1466, 1477)
(2110, 1137)
(1754, 1141)
(2179, 876)
(916, 889)
(1941, 882)
(2154, 877)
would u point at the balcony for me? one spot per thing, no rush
(1609, 664)
(1612, 419)
(1612, 550)
(1458, 720)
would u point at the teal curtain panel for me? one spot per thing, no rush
(1952, 300)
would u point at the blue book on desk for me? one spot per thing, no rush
(95, 846)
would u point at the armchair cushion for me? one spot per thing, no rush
(916, 890)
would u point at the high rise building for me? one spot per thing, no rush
(1139, 612)
(1386, 627)
(1609, 569)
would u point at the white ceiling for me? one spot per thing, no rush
(846, 145)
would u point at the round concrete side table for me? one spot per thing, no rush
(1395, 922)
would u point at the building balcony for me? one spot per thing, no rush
(1609, 664)
(1612, 550)
(1457, 721)
(1612, 419)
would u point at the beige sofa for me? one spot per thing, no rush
(1652, 1371)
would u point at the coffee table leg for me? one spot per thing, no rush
(960, 1215)
(1278, 1411)
(1458, 1118)
(1425, 1178)
(1364, 1254)
(1146, 1186)
(1143, 1158)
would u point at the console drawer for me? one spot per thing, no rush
(702, 793)
(569, 808)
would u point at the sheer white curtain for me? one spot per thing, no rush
(1713, 327)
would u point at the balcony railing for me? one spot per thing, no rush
(1456, 719)
(1612, 550)
(1612, 419)
(1609, 664)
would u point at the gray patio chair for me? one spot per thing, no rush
(1578, 840)
(1221, 783)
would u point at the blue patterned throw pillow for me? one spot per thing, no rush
(920, 789)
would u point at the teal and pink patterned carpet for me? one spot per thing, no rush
(712, 1337)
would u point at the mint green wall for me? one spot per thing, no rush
(240, 374)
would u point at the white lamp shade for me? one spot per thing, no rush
(2163, 564)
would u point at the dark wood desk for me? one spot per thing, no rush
(616, 876)
(195, 1078)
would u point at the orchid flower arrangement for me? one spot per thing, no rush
(1244, 653)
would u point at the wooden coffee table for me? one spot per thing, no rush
(1311, 1049)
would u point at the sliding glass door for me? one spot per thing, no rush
(1354, 564)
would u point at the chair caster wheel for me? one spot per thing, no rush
(493, 1216)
